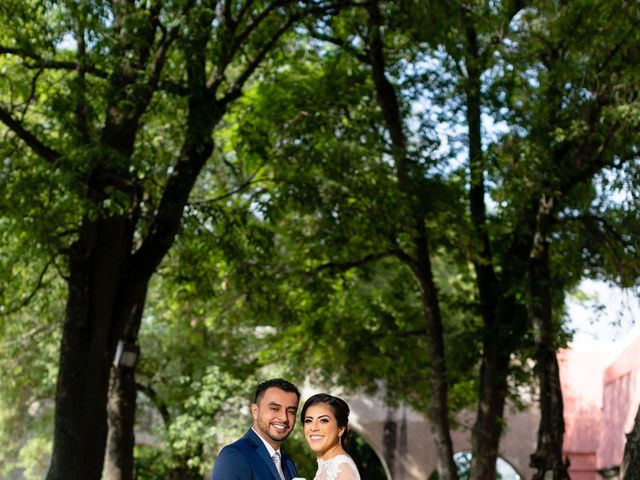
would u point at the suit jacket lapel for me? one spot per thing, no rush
(287, 467)
(256, 442)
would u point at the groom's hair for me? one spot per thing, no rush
(277, 383)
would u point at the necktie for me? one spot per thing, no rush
(276, 460)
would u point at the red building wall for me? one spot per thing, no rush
(601, 392)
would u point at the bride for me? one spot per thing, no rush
(325, 421)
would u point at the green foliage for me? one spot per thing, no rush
(197, 377)
(368, 463)
(332, 200)
(31, 307)
(29, 340)
(150, 463)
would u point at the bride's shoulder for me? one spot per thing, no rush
(347, 469)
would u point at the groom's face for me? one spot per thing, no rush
(275, 415)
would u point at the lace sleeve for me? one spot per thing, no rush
(346, 471)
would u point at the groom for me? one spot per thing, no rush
(257, 455)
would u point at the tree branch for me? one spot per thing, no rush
(71, 66)
(32, 93)
(235, 90)
(248, 182)
(197, 146)
(217, 74)
(152, 395)
(339, 42)
(242, 37)
(603, 222)
(344, 266)
(156, 67)
(82, 106)
(39, 63)
(31, 295)
(27, 137)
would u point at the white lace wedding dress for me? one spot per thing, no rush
(340, 467)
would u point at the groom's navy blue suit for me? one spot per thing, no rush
(248, 459)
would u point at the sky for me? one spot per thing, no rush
(609, 328)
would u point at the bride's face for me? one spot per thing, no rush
(321, 430)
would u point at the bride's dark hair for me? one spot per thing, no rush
(339, 408)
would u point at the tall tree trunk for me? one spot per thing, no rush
(107, 288)
(496, 355)
(487, 429)
(95, 266)
(503, 317)
(437, 407)
(630, 469)
(548, 455)
(504, 327)
(122, 392)
(420, 260)
(98, 264)
(121, 408)
(121, 404)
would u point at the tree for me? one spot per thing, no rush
(94, 118)
(511, 255)
(573, 140)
